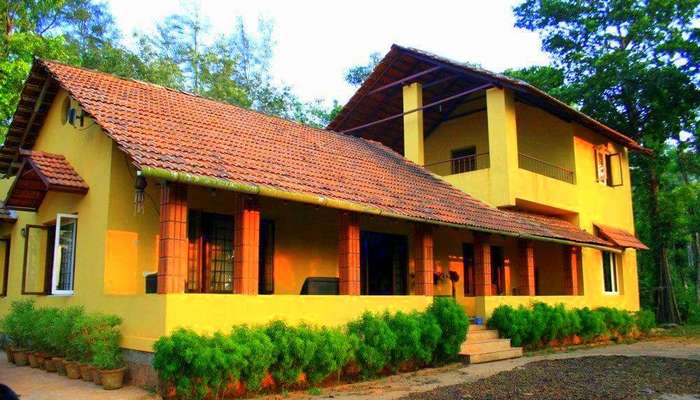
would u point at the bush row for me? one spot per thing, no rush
(197, 366)
(538, 325)
(69, 333)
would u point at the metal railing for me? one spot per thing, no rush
(545, 168)
(460, 164)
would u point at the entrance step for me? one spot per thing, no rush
(484, 345)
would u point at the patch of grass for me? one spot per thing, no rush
(692, 331)
(314, 391)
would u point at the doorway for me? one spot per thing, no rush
(383, 261)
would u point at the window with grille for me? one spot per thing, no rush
(210, 253)
(464, 160)
(610, 284)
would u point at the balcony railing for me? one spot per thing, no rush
(460, 164)
(545, 168)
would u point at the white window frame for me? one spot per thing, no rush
(614, 277)
(57, 256)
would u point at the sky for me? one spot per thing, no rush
(317, 41)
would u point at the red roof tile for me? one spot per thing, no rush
(620, 237)
(559, 228)
(180, 132)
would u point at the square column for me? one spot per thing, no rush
(413, 123)
(506, 277)
(482, 265)
(571, 270)
(527, 268)
(349, 254)
(424, 263)
(172, 258)
(246, 245)
(503, 145)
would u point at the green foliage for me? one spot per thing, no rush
(645, 321)
(430, 335)
(43, 324)
(407, 330)
(356, 75)
(541, 323)
(376, 342)
(454, 324)
(19, 322)
(181, 360)
(258, 351)
(60, 335)
(293, 350)
(87, 331)
(333, 352)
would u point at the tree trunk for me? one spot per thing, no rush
(666, 307)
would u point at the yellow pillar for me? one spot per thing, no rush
(413, 123)
(503, 146)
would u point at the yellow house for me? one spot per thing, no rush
(172, 210)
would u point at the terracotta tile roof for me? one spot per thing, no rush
(55, 171)
(179, 132)
(39, 173)
(559, 228)
(620, 237)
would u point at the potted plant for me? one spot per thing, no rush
(107, 356)
(59, 337)
(17, 326)
(76, 346)
(43, 325)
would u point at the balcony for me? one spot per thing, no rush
(460, 165)
(545, 168)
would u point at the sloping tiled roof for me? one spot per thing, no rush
(184, 134)
(40, 173)
(557, 227)
(56, 172)
(620, 237)
(370, 104)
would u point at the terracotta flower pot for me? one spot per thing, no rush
(113, 378)
(33, 362)
(60, 367)
(49, 364)
(20, 357)
(10, 355)
(86, 372)
(72, 369)
(96, 376)
(40, 357)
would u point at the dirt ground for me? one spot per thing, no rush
(398, 386)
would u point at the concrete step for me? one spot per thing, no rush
(481, 335)
(474, 327)
(478, 358)
(485, 346)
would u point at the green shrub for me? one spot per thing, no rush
(519, 325)
(293, 349)
(645, 321)
(44, 319)
(59, 336)
(454, 324)
(86, 331)
(182, 360)
(592, 323)
(258, 352)
(376, 342)
(18, 324)
(617, 321)
(430, 334)
(104, 347)
(333, 352)
(406, 329)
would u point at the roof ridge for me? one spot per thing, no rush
(195, 95)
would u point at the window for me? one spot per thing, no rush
(464, 160)
(610, 273)
(49, 256)
(468, 263)
(210, 253)
(608, 167)
(4, 265)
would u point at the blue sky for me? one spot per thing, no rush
(316, 41)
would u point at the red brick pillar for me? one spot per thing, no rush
(482, 265)
(423, 254)
(527, 268)
(172, 259)
(571, 270)
(246, 245)
(506, 277)
(349, 254)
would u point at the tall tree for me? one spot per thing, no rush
(633, 64)
(357, 74)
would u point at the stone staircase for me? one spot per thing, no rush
(483, 345)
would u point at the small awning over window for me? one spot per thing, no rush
(620, 237)
(42, 172)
